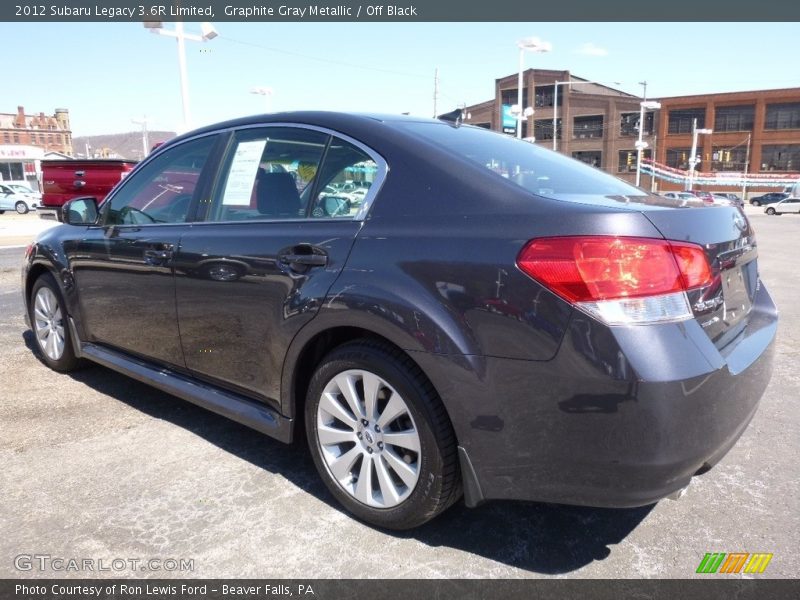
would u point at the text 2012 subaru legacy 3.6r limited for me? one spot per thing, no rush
(442, 310)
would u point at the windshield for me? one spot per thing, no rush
(536, 169)
(21, 189)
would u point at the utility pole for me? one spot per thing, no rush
(145, 144)
(435, 91)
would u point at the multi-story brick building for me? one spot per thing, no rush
(26, 139)
(755, 132)
(51, 133)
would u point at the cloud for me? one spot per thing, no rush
(590, 49)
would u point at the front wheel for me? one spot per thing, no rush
(21, 207)
(380, 437)
(755, 203)
(48, 318)
(770, 211)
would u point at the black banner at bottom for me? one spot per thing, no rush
(396, 589)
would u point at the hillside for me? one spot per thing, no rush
(119, 145)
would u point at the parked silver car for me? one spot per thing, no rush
(11, 199)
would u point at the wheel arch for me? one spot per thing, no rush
(34, 273)
(312, 344)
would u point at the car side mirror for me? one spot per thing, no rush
(80, 211)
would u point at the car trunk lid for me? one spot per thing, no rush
(722, 308)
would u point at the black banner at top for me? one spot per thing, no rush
(400, 10)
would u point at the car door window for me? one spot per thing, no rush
(345, 181)
(269, 173)
(163, 190)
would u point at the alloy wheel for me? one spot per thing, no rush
(368, 439)
(48, 323)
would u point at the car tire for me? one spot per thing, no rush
(770, 211)
(21, 207)
(48, 317)
(755, 203)
(397, 467)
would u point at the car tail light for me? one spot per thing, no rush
(619, 280)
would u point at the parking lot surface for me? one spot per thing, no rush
(97, 466)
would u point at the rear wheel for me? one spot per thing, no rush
(770, 211)
(48, 318)
(380, 437)
(21, 207)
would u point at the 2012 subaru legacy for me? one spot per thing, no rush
(493, 319)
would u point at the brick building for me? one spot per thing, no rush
(51, 133)
(26, 139)
(755, 132)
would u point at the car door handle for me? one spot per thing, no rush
(157, 257)
(311, 260)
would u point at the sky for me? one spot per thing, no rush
(109, 74)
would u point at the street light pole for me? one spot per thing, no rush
(641, 144)
(746, 166)
(532, 45)
(208, 33)
(179, 36)
(693, 156)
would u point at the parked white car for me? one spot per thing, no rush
(21, 188)
(10, 199)
(789, 205)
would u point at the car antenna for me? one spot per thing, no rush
(455, 117)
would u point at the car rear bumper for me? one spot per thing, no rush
(620, 417)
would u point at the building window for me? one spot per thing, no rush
(509, 97)
(588, 127)
(543, 129)
(680, 121)
(783, 116)
(16, 138)
(734, 118)
(12, 171)
(627, 160)
(728, 159)
(544, 96)
(6, 137)
(590, 157)
(629, 124)
(780, 158)
(678, 158)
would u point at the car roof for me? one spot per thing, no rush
(329, 119)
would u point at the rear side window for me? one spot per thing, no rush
(163, 190)
(269, 173)
(535, 169)
(345, 181)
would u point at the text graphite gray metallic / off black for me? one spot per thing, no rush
(439, 308)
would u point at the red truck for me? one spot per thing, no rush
(67, 179)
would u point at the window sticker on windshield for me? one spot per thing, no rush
(242, 174)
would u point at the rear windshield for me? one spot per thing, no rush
(538, 170)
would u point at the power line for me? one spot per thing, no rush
(323, 60)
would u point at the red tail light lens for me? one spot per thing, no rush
(595, 268)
